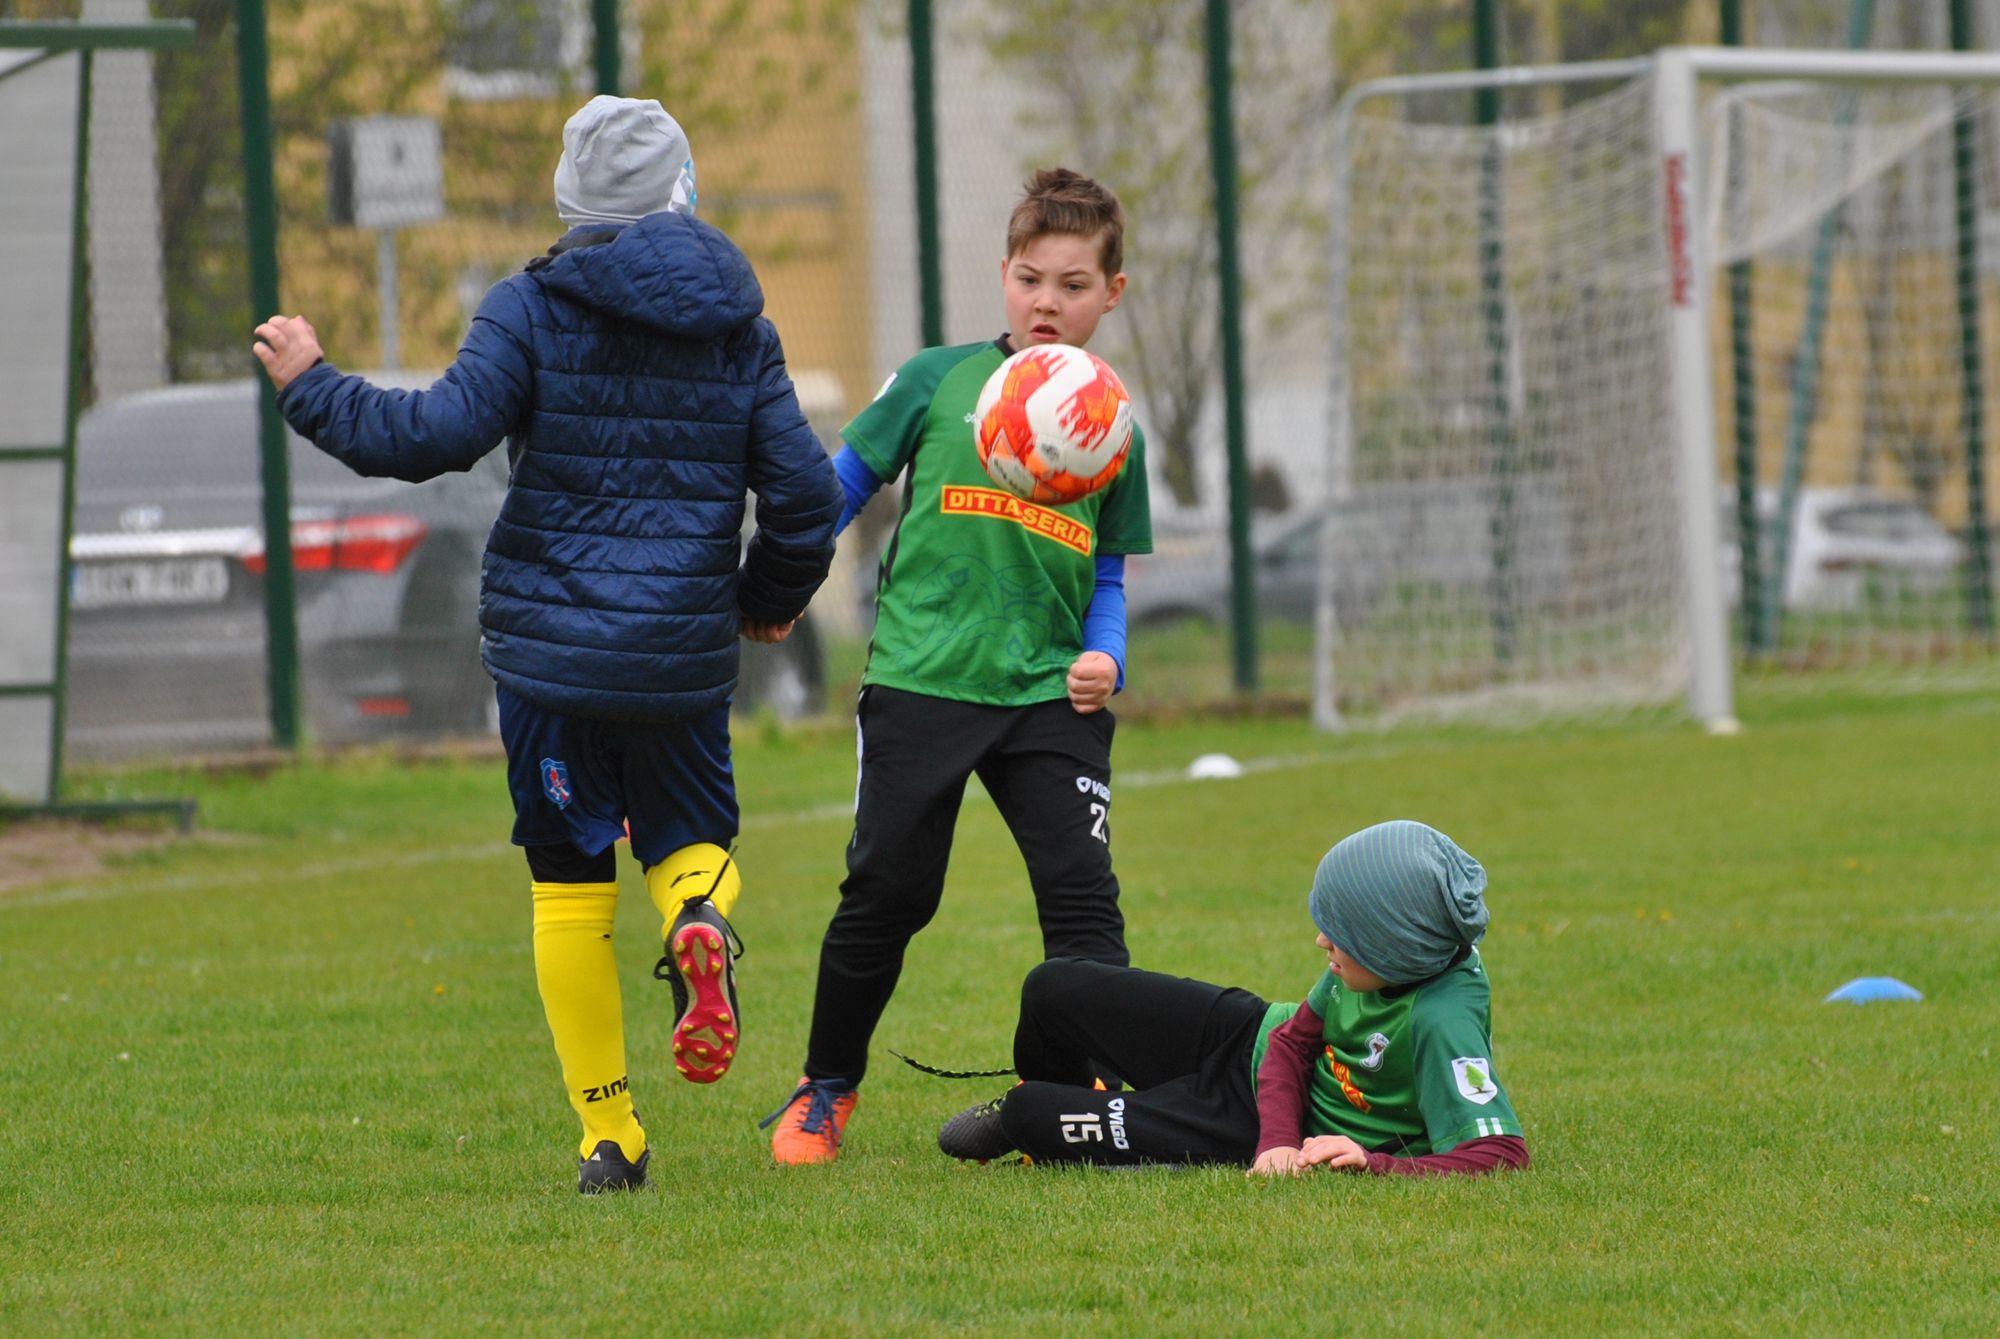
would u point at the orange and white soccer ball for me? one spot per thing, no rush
(1054, 424)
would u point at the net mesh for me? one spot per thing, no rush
(1501, 522)
(1498, 435)
(1843, 206)
(1504, 361)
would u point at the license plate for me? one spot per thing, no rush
(156, 581)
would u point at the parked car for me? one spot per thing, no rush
(1187, 574)
(1843, 541)
(166, 632)
(1386, 536)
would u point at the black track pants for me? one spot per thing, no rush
(1048, 769)
(1184, 1047)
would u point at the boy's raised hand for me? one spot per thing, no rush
(286, 346)
(1278, 1162)
(1092, 678)
(1333, 1150)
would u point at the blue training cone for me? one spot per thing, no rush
(1868, 989)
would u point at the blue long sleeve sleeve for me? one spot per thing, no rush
(797, 499)
(1104, 619)
(857, 484)
(418, 435)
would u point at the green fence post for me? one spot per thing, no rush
(923, 107)
(1743, 373)
(1965, 167)
(604, 45)
(1493, 291)
(1222, 161)
(1805, 370)
(42, 41)
(260, 207)
(79, 269)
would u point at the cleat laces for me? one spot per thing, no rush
(819, 1107)
(663, 970)
(988, 1110)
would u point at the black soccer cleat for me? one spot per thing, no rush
(606, 1169)
(700, 967)
(974, 1134)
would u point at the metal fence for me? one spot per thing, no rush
(802, 120)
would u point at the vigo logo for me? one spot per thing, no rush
(1098, 812)
(1117, 1109)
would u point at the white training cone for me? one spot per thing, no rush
(1214, 767)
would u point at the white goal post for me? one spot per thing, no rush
(1581, 491)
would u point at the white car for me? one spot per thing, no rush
(1433, 536)
(1845, 541)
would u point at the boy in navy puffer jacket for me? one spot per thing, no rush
(642, 394)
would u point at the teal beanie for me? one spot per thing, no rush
(1400, 898)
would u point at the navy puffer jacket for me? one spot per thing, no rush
(644, 395)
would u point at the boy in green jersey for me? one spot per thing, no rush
(1386, 1067)
(999, 640)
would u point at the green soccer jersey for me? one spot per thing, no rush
(981, 596)
(1406, 1072)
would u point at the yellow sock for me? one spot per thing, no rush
(578, 976)
(690, 872)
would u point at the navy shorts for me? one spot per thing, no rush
(579, 781)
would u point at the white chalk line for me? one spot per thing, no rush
(109, 888)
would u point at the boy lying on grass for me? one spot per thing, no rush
(1386, 1067)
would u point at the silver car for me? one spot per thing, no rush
(1433, 537)
(167, 630)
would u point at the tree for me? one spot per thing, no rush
(327, 61)
(1135, 115)
(728, 69)
(1424, 36)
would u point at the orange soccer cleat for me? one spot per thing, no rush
(811, 1122)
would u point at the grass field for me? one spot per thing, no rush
(291, 1076)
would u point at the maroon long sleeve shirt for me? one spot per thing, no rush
(1282, 1080)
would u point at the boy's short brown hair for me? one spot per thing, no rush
(1058, 200)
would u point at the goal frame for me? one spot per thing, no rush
(1676, 73)
(26, 45)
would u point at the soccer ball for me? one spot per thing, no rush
(1054, 424)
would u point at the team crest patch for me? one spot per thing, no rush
(1475, 1078)
(555, 784)
(1378, 1044)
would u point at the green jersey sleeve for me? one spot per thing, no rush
(1458, 1091)
(1126, 523)
(887, 432)
(1320, 998)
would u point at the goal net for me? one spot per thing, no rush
(1849, 417)
(1508, 518)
